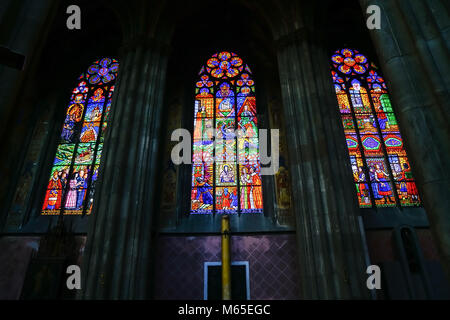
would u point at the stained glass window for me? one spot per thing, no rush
(71, 183)
(226, 169)
(381, 170)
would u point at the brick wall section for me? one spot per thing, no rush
(427, 245)
(272, 262)
(15, 254)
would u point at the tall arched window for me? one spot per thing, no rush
(71, 185)
(225, 96)
(381, 169)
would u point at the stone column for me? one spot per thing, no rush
(331, 254)
(117, 264)
(413, 50)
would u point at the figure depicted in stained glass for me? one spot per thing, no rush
(362, 188)
(225, 100)
(90, 132)
(81, 183)
(232, 88)
(81, 145)
(225, 200)
(199, 120)
(256, 190)
(54, 193)
(73, 116)
(246, 192)
(384, 188)
(248, 108)
(359, 98)
(382, 119)
(75, 112)
(71, 200)
(63, 179)
(376, 134)
(409, 185)
(226, 175)
(249, 127)
(204, 190)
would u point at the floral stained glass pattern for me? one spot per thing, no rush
(225, 171)
(381, 170)
(71, 186)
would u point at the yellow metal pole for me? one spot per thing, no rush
(226, 259)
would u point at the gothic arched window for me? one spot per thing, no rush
(224, 100)
(71, 185)
(381, 170)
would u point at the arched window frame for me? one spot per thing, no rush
(213, 75)
(84, 126)
(356, 79)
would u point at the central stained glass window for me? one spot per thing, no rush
(225, 168)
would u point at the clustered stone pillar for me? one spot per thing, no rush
(116, 264)
(331, 252)
(413, 49)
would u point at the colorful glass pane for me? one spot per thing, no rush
(225, 174)
(64, 154)
(202, 172)
(376, 140)
(226, 199)
(225, 159)
(363, 193)
(71, 186)
(251, 199)
(202, 198)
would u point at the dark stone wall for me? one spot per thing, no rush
(427, 244)
(399, 281)
(15, 255)
(379, 243)
(273, 268)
